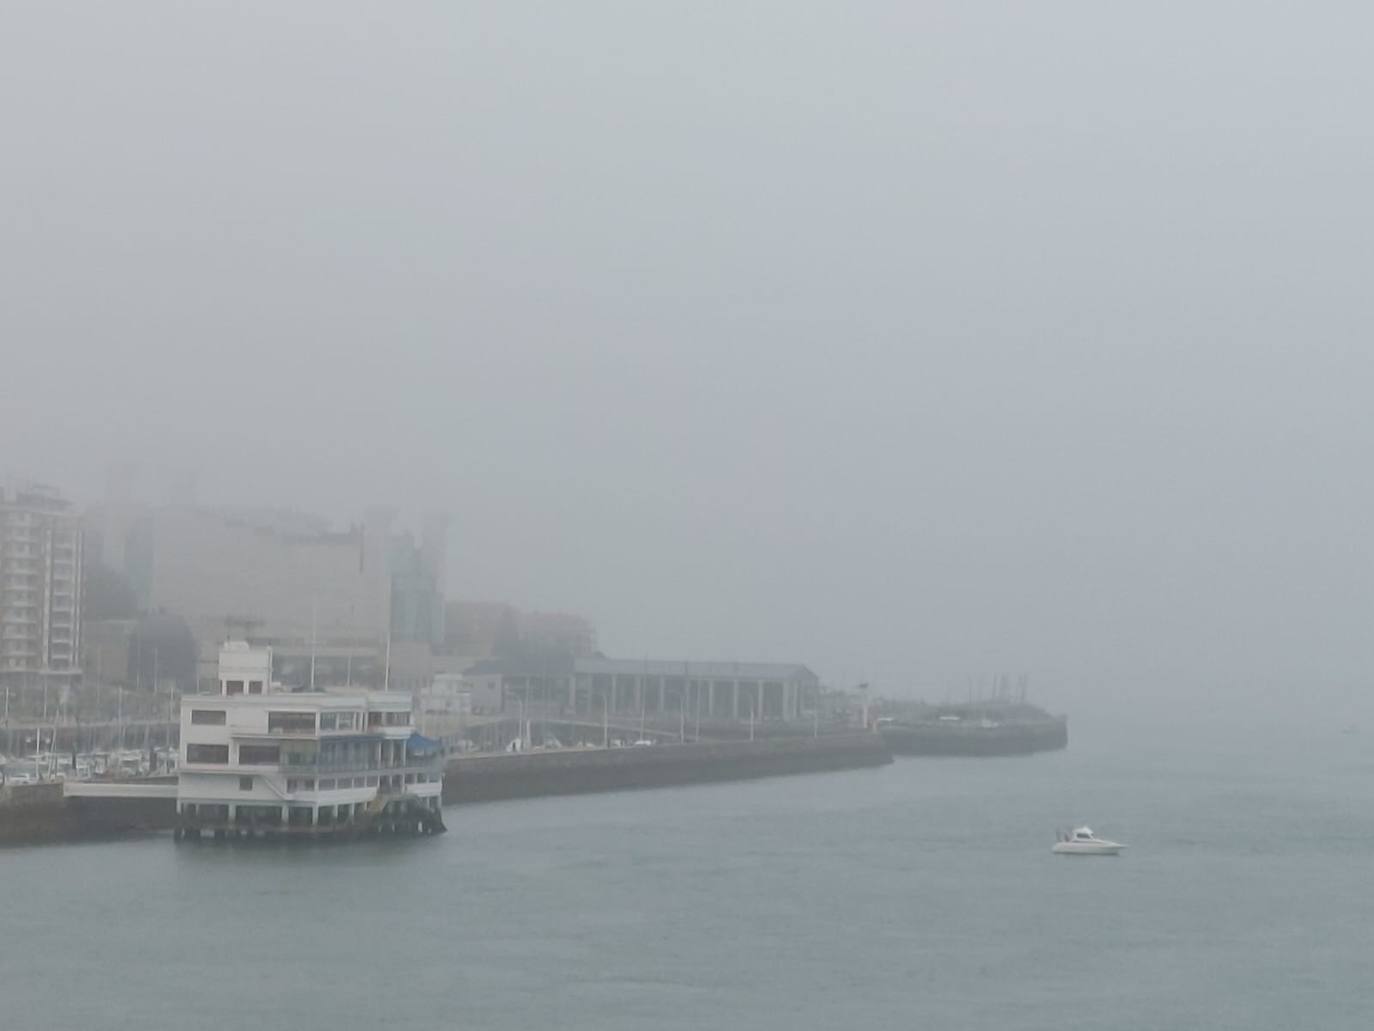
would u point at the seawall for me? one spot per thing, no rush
(950, 739)
(33, 814)
(492, 777)
(38, 813)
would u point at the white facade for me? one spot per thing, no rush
(40, 588)
(448, 694)
(260, 758)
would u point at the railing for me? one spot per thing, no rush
(328, 769)
(331, 769)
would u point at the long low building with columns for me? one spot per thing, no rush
(709, 690)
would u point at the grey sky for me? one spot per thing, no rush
(903, 339)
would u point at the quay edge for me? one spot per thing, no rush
(971, 739)
(533, 774)
(34, 814)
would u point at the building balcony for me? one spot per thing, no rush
(342, 769)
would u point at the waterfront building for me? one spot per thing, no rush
(485, 630)
(40, 588)
(290, 582)
(259, 759)
(725, 691)
(320, 597)
(544, 632)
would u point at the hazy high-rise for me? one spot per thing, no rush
(40, 587)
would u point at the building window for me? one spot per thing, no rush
(339, 720)
(255, 687)
(259, 755)
(233, 687)
(207, 754)
(291, 722)
(207, 717)
(245, 783)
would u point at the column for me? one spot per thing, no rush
(734, 712)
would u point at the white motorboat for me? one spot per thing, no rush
(1083, 842)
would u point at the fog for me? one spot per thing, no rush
(909, 341)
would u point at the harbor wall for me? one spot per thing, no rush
(33, 813)
(973, 740)
(36, 813)
(494, 777)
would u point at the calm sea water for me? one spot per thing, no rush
(920, 895)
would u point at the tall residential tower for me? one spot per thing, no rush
(40, 588)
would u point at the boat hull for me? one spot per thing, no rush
(1087, 848)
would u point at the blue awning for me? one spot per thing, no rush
(421, 745)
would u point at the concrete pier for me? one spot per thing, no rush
(491, 777)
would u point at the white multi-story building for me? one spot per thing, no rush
(40, 588)
(258, 759)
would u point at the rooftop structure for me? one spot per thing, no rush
(40, 588)
(256, 759)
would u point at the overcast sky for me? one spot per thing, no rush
(903, 339)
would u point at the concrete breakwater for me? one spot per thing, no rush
(976, 739)
(493, 777)
(37, 813)
(31, 814)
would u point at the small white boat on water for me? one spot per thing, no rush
(1083, 842)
